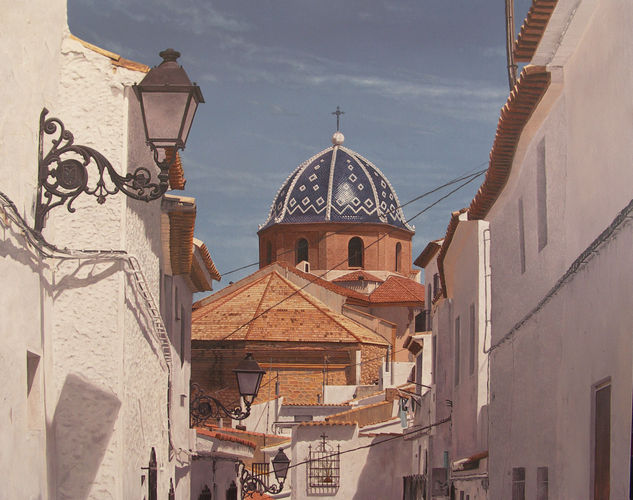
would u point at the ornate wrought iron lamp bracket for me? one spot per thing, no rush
(204, 407)
(63, 172)
(251, 484)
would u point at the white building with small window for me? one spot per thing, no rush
(558, 201)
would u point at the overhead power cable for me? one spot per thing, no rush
(320, 276)
(377, 443)
(351, 226)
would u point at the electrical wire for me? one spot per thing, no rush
(377, 443)
(44, 249)
(587, 255)
(320, 276)
(351, 226)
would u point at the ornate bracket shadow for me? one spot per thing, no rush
(63, 173)
(204, 407)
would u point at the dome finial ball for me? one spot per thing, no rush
(337, 138)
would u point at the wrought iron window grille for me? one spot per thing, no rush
(324, 470)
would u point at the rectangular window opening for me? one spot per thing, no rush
(541, 195)
(433, 358)
(521, 236)
(183, 335)
(542, 480)
(518, 483)
(473, 343)
(457, 353)
(602, 442)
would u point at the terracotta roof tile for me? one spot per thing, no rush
(182, 219)
(176, 173)
(206, 257)
(292, 315)
(532, 29)
(450, 232)
(358, 276)
(341, 290)
(427, 254)
(522, 101)
(365, 415)
(225, 437)
(398, 290)
(115, 59)
(322, 423)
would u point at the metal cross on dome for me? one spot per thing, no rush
(338, 114)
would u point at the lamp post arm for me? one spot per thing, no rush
(204, 407)
(250, 484)
(63, 173)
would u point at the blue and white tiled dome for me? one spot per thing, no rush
(337, 185)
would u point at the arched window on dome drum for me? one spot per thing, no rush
(355, 252)
(301, 250)
(269, 253)
(398, 257)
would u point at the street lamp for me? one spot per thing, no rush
(168, 103)
(251, 484)
(204, 407)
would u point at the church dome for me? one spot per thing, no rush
(336, 185)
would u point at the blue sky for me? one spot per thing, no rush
(421, 84)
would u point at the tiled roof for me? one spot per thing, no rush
(116, 59)
(294, 316)
(176, 174)
(450, 232)
(341, 290)
(182, 219)
(323, 423)
(206, 257)
(225, 437)
(365, 415)
(532, 29)
(316, 404)
(427, 254)
(527, 93)
(398, 290)
(358, 276)
(233, 430)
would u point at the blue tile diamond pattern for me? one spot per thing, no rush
(337, 185)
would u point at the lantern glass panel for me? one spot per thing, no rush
(280, 465)
(191, 111)
(164, 113)
(248, 383)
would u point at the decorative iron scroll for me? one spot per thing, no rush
(204, 407)
(251, 483)
(63, 173)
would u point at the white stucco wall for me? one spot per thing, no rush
(542, 380)
(465, 272)
(374, 472)
(31, 38)
(98, 403)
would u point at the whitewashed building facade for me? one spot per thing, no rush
(95, 385)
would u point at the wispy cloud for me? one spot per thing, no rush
(195, 16)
